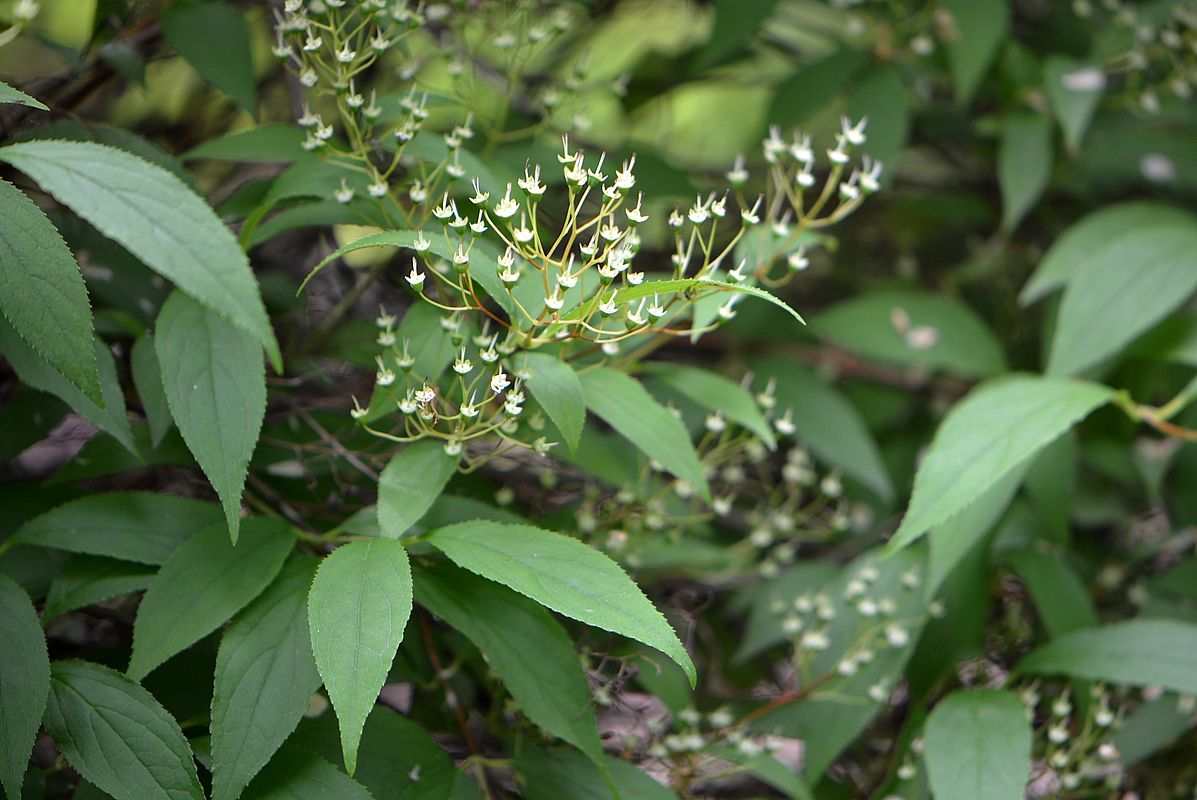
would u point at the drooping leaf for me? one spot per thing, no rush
(24, 683)
(1001, 424)
(1024, 165)
(11, 95)
(620, 401)
(88, 579)
(978, 745)
(147, 377)
(1061, 599)
(116, 735)
(213, 38)
(296, 774)
(215, 385)
(204, 583)
(980, 27)
(143, 527)
(1139, 652)
(563, 574)
(265, 677)
(42, 293)
(1074, 89)
(555, 385)
(716, 393)
(357, 609)
(410, 484)
(158, 219)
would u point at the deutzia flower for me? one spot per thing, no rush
(870, 178)
(415, 278)
(345, 55)
(854, 135)
(478, 197)
(634, 278)
(738, 175)
(715, 423)
(656, 310)
(425, 395)
(507, 207)
(554, 301)
(635, 215)
(531, 184)
(378, 188)
(785, 425)
(469, 410)
(344, 194)
(499, 381)
(608, 307)
(462, 365)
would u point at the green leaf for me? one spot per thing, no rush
(620, 401)
(147, 377)
(1140, 652)
(980, 28)
(716, 393)
(11, 95)
(410, 484)
(357, 609)
(1024, 164)
(522, 642)
(116, 735)
(567, 775)
(914, 328)
(952, 539)
(215, 386)
(564, 574)
(1061, 599)
(765, 767)
(85, 580)
(36, 372)
(884, 98)
(24, 685)
(978, 745)
(815, 85)
(158, 219)
(265, 677)
(203, 583)
(42, 293)
(1099, 234)
(269, 143)
(296, 774)
(214, 39)
(736, 24)
(1074, 89)
(1120, 291)
(1001, 424)
(555, 385)
(695, 286)
(133, 526)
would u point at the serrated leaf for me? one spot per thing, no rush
(265, 677)
(980, 28)
(357, 609)
(978, 745)
(1139, 652)
(1001, 424)
(147, 377)
(215, 385)
(133, 526)
(202, 584)
(1074, 89)
(17, 97)
(85, 580)
(296, 774)
(1024, 165)
(42, 293)
(522, 642)
(24, 683)
(555, 385)
(116, 735)
(158, 219)
(716, 393)
(214, 38)
(563, 574)
(620, 401)
(410, 484)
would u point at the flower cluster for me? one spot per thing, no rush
(1074, 740)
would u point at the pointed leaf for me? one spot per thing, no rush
(11, 95)
(980, 27)
(978, 745)
(716, 393)
(1074, 90)
(116, 735)
(410, 484)
(147, 377)
(563, 574)
(555, 385)
(24, 683)
(296, 774)
(85, 580)
(357, 609)
(215, 385)
(1024, 165)
(214, 38)
(203, 583)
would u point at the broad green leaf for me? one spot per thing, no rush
(620, 401)
(143, 527)
(147, 377)
(1099, 235)
(296, 774)
(567, 775)
(1024, 164)
(815, 85)
(213, 38)
(1074, 89)
(215, 385)
(76, 130)
(978, 745)
(11, 95)
(36, 372)
(410, 484)
(826, 422)
(265, 677)
(716, 393)
(555, 385)
(980, 27)
(1061, 599)
(275, 142)
(952, 539)
(85, 580)
(910, 327)
(1001, 424)
(522, 642)
(1151, 727)
(735, 25)
(202, 584)
(1139, 652)
(24, 683)
(564, 574)
(884, 98)
(1050, 486)
(1120, 291)
(42, 293)
(357, 609)
(116, 735)
(158, 219)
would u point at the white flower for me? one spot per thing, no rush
(421, 244)
(635, 215)
(785, 425)
(607, 307)
(378, 188)
(344, 194)
(635, 278)
(896, 635)
(312, 44)
(460, 257)
(870, 178)
(408, 404)
(727, 311)
(854, 135)
(323, 132)
(415, 278)
(507, 206)
(715, 423)
(509, 276)
(447, 208)
(469, 409)
(738, 175)
(624, 179)
(499, 382)
(801, 150)
(879, 692)
(675, 219)
(737, 275)
(523, 234)
(635, 318)
(698, 213)
(462, 365)
(750, 216)
(656, 310)
(479, 197)
(554, 301)
(453, 447)
(425, 395)
(531, 184)
(805, 178)
(345, 55)
(797, 260)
